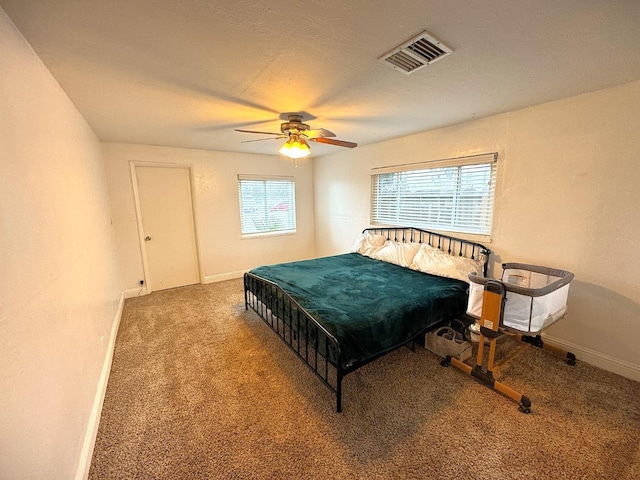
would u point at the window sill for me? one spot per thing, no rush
(472, 237)
(279, 233)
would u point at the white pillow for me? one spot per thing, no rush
(368, 243)
(398, 253)
(436, 262)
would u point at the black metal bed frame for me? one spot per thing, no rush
(312, 343)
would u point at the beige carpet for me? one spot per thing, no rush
(201, 389)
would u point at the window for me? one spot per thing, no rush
(267, 204)
(454, 195)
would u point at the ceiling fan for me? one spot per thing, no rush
(297, 134)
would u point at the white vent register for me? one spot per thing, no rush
(420, 51)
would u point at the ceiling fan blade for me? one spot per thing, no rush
(262, 133)
(317, 133)
(261, 139)
(333, 141)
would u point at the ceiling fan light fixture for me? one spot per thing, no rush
(297, 134)
(295, 147)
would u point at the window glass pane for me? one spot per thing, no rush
(267, 206)
(452, 198)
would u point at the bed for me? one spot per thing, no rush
(341, 312)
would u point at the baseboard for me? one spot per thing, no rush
(597, 359)
(221, 277)
(135, 292)
(94, 420)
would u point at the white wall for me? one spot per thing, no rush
(59, 281)
(225, 254)
(567, 196)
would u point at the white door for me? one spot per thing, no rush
(168, 227)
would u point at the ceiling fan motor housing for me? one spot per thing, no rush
(294, 125)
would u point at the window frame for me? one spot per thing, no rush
(290, 227)
(462, 170)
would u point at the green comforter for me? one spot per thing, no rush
(370, 306)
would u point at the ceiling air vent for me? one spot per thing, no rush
(416, 53)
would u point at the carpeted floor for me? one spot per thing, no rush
(202, 389)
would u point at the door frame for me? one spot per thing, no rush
(133, 164)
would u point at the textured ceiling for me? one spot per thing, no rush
(185, 73)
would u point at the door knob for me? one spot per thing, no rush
(147, 238)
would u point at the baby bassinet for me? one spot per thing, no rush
(528, 299)
(536, 297)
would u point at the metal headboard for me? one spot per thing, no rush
(446, 243)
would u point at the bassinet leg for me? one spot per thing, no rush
(492, 308)
(538, 342)
(488, 380)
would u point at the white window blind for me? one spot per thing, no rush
(453, 195)
(267, 204)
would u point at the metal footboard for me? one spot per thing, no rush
(310, 341)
